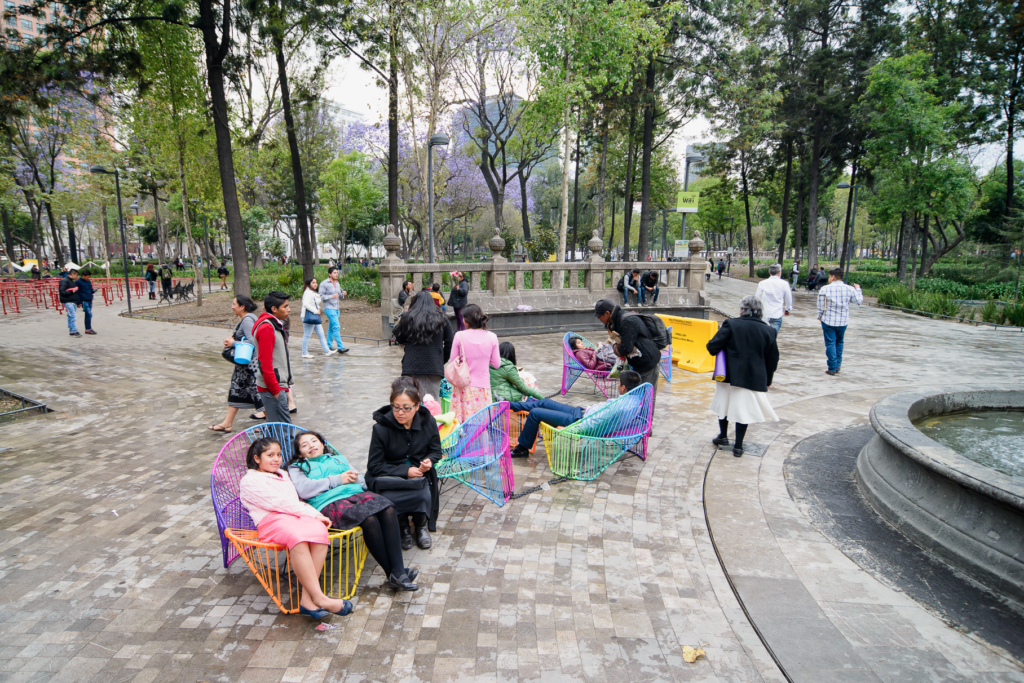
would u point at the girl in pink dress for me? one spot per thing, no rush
(268, 494)
(480, 349)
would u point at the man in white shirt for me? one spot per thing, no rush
(776, 297)
(834, 313)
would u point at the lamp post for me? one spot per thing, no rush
(134, 206)
(853, 221)
(697, 159)
(439, 139)
(99, 170)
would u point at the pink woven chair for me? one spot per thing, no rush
(572, 369)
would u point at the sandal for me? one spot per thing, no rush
(254, 416)
(219, 428)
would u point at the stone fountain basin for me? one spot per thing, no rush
(970, 515)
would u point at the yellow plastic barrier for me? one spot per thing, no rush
(689, 341)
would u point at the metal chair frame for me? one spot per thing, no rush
(477, 454)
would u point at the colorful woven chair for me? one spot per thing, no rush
(516, 422)
(572, 369)
(586, 448)
(477, 454)
(269, 561)
(446, 396)
(665, 365)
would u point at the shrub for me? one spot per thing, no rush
(992, 312)
(1014, 314)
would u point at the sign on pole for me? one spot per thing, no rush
(139, 221)
(682, 248)
(686, 202)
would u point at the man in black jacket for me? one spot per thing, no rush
(635, 343)
(649, 288)
(69, 297)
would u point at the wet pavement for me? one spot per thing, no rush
(110, 564)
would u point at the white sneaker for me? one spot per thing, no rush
(307, 355)
(331, 352)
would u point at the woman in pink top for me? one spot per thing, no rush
(267, 492)
(480, 350)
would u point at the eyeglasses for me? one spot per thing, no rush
(402, 409)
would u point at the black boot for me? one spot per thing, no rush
(421, 533)
(405, 531)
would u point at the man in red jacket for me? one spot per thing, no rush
(273, 367)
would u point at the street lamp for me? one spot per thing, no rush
(691, 157)
(138, 233)
(853, 220)
(441, 140)
(99, 170)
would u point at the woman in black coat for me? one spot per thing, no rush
(427, 335)
(751, 358)
(404, 447)
(459, 298)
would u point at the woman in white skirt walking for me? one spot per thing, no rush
(751, 358)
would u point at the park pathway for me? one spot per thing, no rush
(110, 563)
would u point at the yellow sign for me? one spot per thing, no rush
(686, 202)
(139, 221)
(689, 342)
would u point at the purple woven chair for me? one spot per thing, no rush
(665, 366)
(228, 470)
(572, 369)
(477, 454)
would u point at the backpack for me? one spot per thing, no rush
(622, 283)
(656, 328)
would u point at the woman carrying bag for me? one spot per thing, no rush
(242, 393)
(427, 336)
(474, 353)
(311, 319)
(751, 358)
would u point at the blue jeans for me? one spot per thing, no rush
(307, 331)
(625, 297)
(776, 323)
(834, 345)
(72, 310)
(544, 410)
(643, 294)
(87, 309)
(333, 327)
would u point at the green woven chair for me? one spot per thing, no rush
(588, 447)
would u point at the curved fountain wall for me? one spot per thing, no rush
(970, 515)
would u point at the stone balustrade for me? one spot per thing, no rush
(500, 286)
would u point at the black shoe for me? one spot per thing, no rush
(737, 451)
(412, 574)
(520, 452)
(293, 411)
(406, 533)
(343, 350)
(421, 533)
(720, 441)
(402, 583)
(830, 372)
(76, 334)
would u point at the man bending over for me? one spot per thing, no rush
(561, 415)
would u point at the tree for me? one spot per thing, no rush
(350, 193)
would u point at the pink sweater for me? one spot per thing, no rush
(262, 493)
(480, 348)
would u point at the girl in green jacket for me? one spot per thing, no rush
(506, 384)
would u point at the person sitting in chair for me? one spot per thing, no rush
(280, 517)
(331, 485)
(600, 358)
(561, 415)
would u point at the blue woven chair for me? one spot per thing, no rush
(665, 366)
(477, 454)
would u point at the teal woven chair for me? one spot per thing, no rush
(477, 454)
(588, 447)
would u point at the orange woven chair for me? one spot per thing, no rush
(516, 427)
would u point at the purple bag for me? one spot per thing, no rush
(720, 366)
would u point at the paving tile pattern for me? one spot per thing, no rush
(110, 565)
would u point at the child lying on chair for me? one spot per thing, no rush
(601, 358)
(561, 415)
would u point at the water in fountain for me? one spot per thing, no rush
(993, 438)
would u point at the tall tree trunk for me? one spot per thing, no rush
(523, 212)
(627, 209)
(912, 270)
(216, 52)
(902, 248)
(8, 236)
(611, 240)
(645, 164)
(161, 230)
(58, 247)
(196, 276)
(924, 246)
(812, 192)
(1010, 132)
(302, 222)
(72, 242)
(563, 223)
(785, 198)
(393, 117)
(602, 172)
(844, 255)
(746, 207)
(798, 233)
(106, 239)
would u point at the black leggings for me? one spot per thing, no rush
(380, 533)
(741, 431)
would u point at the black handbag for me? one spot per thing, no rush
(388, 483)
(228, 354)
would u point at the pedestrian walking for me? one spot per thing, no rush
(242, 392)
(708, 269)
(721, 268)
(834, 314)
(479, 348)
(635, 342)
(222, 273)
(458, 298)
(775, 296)
(331, 293)
(166, 275)
(68, 294)
(751, 359)
(795, 272)
(151, 281)
(273, 366)
(311, 320)
(427, 335)
(85, 296)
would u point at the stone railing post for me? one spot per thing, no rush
(497, 280)
(694, 278)
(392, 273)
(594, 278)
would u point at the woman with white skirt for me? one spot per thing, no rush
(751, 358)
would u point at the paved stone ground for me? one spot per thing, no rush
(110, 562)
